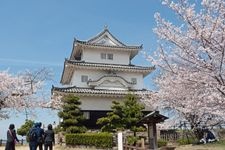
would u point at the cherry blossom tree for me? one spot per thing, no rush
(23, 91)
(190, 57)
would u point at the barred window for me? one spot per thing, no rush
(103, 55)
(84, 78)
(86, 114)
(134, 80)
(110, 56)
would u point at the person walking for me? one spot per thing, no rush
(49, 138)
(40, 139)
(32, 137)
(11, 138)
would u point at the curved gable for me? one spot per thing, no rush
(105, 38)
(111, 82)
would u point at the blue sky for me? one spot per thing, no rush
(35, 34)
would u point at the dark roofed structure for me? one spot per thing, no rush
(151, 120)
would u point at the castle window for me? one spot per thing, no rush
(86, 115)
(103, 55)
(110, 56)
(134, 80)
(84, 78)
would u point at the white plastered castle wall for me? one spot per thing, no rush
(119, 57)
(96, 74)
(89, 103)
(97, 103)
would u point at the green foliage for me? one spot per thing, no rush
(24, 129)
(131, 140)
(124, 115)
(186, 141)
(113, 120)
(76, 129)
(71, 115)
(161, 142)
(58, 129)
(99, 140)
(132, 111)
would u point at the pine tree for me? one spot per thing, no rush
(72, 115)
(132, 113)
(24, 129)
(124, 115)
(113, 121)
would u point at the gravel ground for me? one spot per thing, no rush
(200, 147)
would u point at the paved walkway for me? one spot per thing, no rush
(186, 147)
(199, 147)
(57, 147)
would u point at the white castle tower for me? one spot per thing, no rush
(99, 71)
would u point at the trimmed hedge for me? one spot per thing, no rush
(161, 143)
(99, 140)
(186, 141)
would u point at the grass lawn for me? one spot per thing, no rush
(211, 146)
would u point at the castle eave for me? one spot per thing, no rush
(69, 67)
(83, 43)
(110, 66)
(98, 92)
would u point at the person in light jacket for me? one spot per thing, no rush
(11, 138)
(49, 138)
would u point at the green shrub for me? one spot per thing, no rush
(76, 129)
(132, 139)
(161, 143)
(99, 140)
(58, 129)
(186, 141)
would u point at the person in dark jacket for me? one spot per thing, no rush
(33, 139)
(210, 136)
(40, 139)
(49, 138)
(11, 138)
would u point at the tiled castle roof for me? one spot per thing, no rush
(109, 66)
(101, 66)
(103, 32)
(108, 46)
(104, 40)
(98, 92)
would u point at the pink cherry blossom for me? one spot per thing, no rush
(190, 57)
(23, 91)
